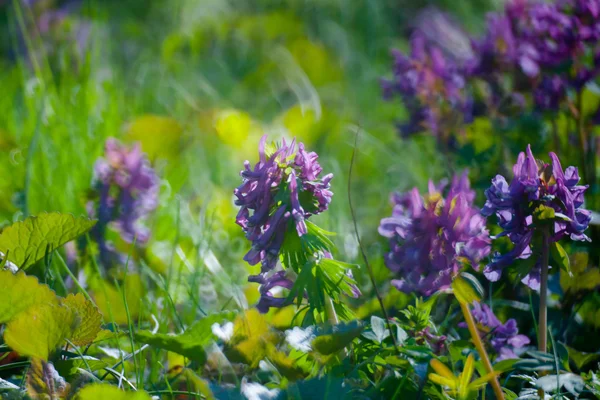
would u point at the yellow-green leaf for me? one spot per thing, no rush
(100, 391)
(27, 242)
(88, 319)
(18, 292)
(464, 290)
(38, 331)
(560, 256)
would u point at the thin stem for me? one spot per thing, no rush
(362, 250)
(543, 312)
(555, 136)
(582, 137)
(481, 349)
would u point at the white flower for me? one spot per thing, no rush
(256, 391)
(224, 332)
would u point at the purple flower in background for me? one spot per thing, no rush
(504, 338)
(430, 236)
(550, 93)
(127, 189)
(431, 87)
(534, 184)
(283, 188)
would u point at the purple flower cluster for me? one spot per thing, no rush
(534, 184)
(127, 188)
(431, 236)
(431, 88)
(283, 188)
(537, 46)
(504, 338)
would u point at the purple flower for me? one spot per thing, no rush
(550, 93)
(534, 184)
(283, 188)
(430, 236)
(431, 87)
(127, 188)
(504, 338)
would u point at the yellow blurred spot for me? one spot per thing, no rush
(314, 59)
(159, 136)
(232, 126)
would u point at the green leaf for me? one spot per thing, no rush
(27, 242)
(581, 359)
(72, 366)
(544, 214)
(190, 343)
(465, 290)
(100, 391)
(88, 319)
(505, 365)
(341, 336)
(19, 292)
(38, 331)
(379, 331)
(560, 256)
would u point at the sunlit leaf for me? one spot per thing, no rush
(18, 292)
(39, 330)
(464, 290)
(27, 242)
(100, 391)
(88, 319)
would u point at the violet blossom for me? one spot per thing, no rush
(430, 236)
(281, 191)
(127, 193)
(534, 184)
(431, 87)
(504, 338)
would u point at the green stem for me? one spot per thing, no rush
(330, 311)
(543, 311)
(481, 349)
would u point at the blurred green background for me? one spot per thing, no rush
(198, 82)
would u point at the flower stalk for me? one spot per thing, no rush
(543, 311)
(481, 349)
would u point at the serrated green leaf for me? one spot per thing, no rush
(464, 290)
(27, 242)
(560, 257)
(88, 319)
(39, 330)
(18, 292)
(99, 391)
(190, 343)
